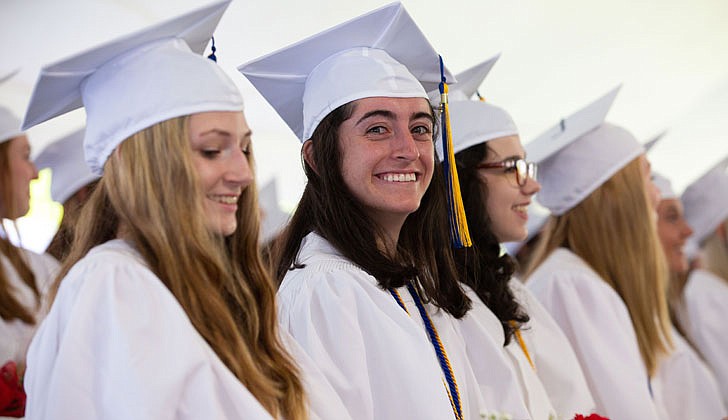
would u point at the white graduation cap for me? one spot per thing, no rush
(474, 121)
(65, 159)
(664, 186)
(381, 53)
(9, 123)
(649, 144)
(538, 215)
(706, 201)
(136, 81)
(579, 154)
(274, 219)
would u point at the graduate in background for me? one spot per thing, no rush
(163, 308)
(368, 285)
(706, 292)
(71, 185)
(497, 184)
(24, 275)
(598, 268)
(690, 390)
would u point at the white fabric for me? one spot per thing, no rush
(16, 335)
(69, 171)
(595, 320)
(468, 82)
(9, 125)
(706, 307)
(116, 344)
(380, 53)
(475, 122)
(377, 357)
(136, 81)
(689, 389)
(706, 202)
(576, 170)
(497, 373)
(556, 363)
(664, 186)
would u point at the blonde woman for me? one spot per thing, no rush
(24, 276)
(598, 268)
(706, 292)
(163, 308)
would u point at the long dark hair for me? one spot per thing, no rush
(481, 266)
(329, 209)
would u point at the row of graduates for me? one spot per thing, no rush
(163, 308)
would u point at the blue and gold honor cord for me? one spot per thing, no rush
(452, 385)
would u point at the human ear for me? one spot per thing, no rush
(308, 155)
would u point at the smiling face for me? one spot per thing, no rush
(674, 231)
(507, 202)
(388, 157)
(22, 171)
(220, 144)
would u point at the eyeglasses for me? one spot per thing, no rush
(524, 170)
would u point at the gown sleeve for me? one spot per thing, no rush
(597, 324)
(375, 357)
(117, 345)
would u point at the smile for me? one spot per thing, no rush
(408, 177)
(224, 199)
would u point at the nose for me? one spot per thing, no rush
(404, 146)
(531, 187)
(34, 171)
(239, 172)
(687, 231)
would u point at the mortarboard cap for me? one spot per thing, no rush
(578, 155)
(9, 123)
(65, 159)
(136, 81)
(664, 186)
(473, 121)
(381, 53)
(706, 201)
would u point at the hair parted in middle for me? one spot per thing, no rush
(614, 231)
(328, 208)
(482, 267)
(148, 190)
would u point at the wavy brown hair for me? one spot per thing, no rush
(10, 308)
(147, 190)
(614, 231)
(330, 209)
(482, 267)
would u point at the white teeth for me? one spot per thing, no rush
(520, 208)
(225, 199)
(399, 177)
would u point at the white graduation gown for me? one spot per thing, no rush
(689, 390)
(506, 379)
(116, 344)
(556, 363)
(598, 326)
(378, 358)
(706, 310)
(15, 335)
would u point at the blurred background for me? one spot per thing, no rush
(669, 56)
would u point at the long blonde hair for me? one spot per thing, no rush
(715, 254)
(149, 188)
(10, 306)
(614, 231)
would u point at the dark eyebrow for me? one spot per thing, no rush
(426, 115)
(377, 112)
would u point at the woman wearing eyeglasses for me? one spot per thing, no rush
(598, 268)
(497, 185)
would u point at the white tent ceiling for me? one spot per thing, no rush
(557, 55)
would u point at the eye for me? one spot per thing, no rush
(246, 150)
(377, 129)
(421, 130)
(210, 153)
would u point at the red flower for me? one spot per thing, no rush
(590, 417)
(12, 394)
